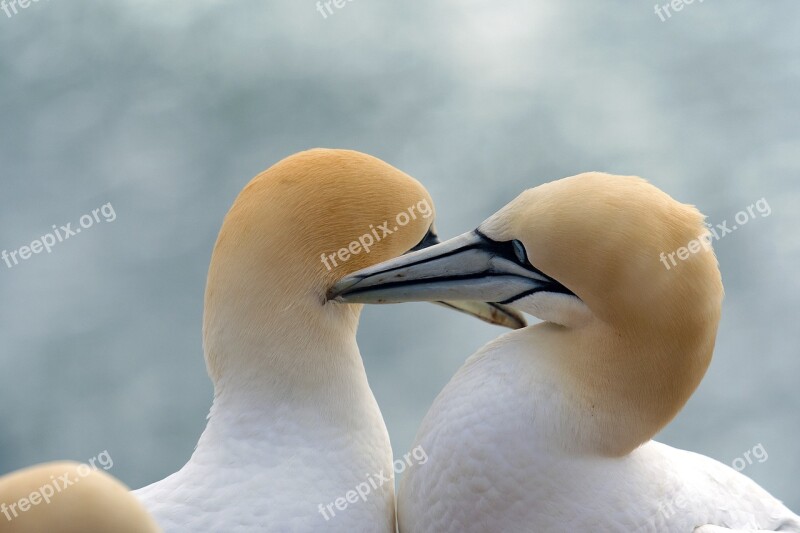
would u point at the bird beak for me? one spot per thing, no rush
(492, 313)
(470, 268)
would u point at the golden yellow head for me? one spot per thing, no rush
(292, 232)
(69, 497)
(317, 216)
(611, 240)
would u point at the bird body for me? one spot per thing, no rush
(495, 466)
(294, 424)
(295, 440)
(549, 428)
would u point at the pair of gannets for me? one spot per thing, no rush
(545, 429)
(548, 428)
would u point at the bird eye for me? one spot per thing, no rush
(519, 251)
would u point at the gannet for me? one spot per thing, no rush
(294, 430)
(67, 497)
(549, 428)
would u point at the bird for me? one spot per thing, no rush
(549, 428)
(295, 440)
(68, 497)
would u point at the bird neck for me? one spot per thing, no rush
(614, 389)
(289, 367)
(289, 402)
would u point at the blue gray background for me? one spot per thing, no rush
(167, 109)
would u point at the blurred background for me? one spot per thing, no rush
(167, 109)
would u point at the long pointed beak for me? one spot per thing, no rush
(470, 267)
(492, 313)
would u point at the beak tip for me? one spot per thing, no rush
(502, 315)
(522, 324)
(514, 321)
